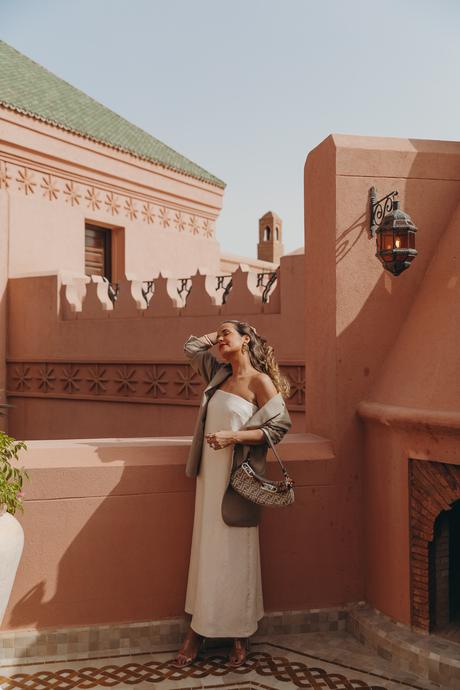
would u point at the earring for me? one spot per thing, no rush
(244, 348)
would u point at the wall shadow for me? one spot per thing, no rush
(129, 562)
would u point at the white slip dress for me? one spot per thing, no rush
(224, 590)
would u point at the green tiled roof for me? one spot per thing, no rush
(29, 88)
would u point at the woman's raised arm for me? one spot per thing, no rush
(196, 350)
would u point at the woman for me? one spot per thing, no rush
(241, 405)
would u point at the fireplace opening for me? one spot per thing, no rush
(444, 573)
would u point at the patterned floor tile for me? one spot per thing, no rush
(315, 661)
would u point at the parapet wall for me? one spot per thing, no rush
(108, 526)
(246, 292)
(81, 364)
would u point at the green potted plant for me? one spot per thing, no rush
(11, 498)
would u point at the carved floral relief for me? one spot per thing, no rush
(50, 187)
(148, 214)
(55, 187)
(171, 383)
(130, 209)
(4, 177)
(71, 194)
(193, 225)
(111, 203)
(25, 181)
(93, 199)
(165, 220)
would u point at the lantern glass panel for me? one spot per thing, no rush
(386, 241)
(401, 241)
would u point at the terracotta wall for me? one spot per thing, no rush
(56, 181)
(122, 372)
(412, 410)
(108, 532)
(355, 313)
(357, 332)
(392, 440)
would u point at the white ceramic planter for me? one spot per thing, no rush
(11, 545)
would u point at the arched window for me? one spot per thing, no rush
(276, 233)
(267, 233)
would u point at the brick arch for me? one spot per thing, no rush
(433, 487)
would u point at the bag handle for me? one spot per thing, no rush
(285, 472)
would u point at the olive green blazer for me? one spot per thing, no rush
(273, 418)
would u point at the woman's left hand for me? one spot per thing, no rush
(220, 439)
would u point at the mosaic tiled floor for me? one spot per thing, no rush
(315, 661)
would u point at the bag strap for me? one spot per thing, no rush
(267, 436)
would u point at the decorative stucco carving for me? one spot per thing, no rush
(97, 379)
(70, 378)
(111, 203)
(25, 181)
(93, 199)
(148, 214)
(165, 220)
(155, 381)
(4, 177)
(71, 194)
(46, 378)
(55, 185)
(171, 383)
(126, 383)
(179, 221)
(131, 210)
(50, 187)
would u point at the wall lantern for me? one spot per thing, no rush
(394, 231)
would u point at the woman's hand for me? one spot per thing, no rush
(221, 439)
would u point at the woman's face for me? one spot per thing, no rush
(229, 341)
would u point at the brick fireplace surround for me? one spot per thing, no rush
(434, 486)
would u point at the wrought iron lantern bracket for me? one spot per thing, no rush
(379, 208)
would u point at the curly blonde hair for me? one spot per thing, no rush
(262, 356)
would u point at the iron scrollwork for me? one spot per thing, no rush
(225, 286)
(380, 208)
(261, 277)
(185, 285)
(147, 290)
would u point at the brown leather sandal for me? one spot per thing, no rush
(188, 659)
(239, 653)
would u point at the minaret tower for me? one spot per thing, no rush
(270, 246)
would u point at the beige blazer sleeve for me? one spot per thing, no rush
(201, 360)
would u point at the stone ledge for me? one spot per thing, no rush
(85, 452)
(82, 642)
(62, 469)
(408, 417)
(429, 656)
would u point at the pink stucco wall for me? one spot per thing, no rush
(45, 334)
(370, 336)
(108, 528)
(56, 180)
(395, 435)
(381, 372)
(419, 418)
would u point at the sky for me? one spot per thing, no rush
(246, 88)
